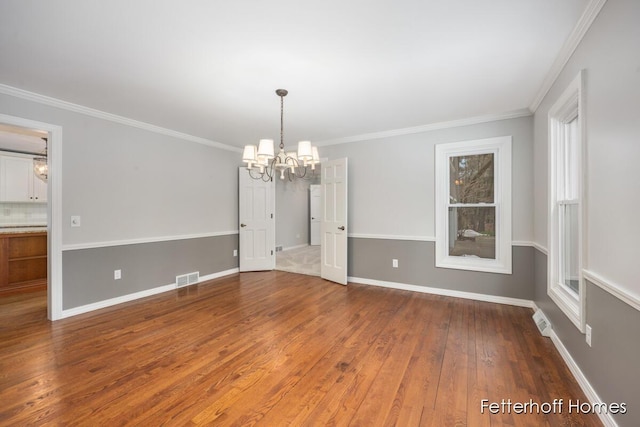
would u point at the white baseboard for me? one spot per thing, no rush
(137, 295)
(585, 385)
(445, 292)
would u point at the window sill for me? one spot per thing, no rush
(471, 264)
(569, 303)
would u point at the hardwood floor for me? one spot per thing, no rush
(274, 349)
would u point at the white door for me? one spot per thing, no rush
(257, 223)
(334, 221)
(315, 212)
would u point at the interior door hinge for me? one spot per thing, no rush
(271, 253)
(271, 216)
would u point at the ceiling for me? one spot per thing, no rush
(210, 68)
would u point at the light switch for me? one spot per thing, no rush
(75, 220)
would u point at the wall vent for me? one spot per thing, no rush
(187, 279)
(542, 323)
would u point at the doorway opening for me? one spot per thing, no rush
(23, 213)
(258, 203)
(30, 207)
(297, 234)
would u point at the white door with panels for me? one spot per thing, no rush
(334, 221)
(315, 213)
(257, 223)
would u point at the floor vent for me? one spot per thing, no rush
(542, 323)
(187, 279)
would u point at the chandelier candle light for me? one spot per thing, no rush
(40, 166)
(262, 163)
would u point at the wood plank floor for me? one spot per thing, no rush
(275, 349)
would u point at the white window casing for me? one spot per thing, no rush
(500, 147)
(566, 196)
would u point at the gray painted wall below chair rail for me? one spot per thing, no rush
(371, 259)
(88, 273)
(610, 365)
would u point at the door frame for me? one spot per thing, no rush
(317, 187)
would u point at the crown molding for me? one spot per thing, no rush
(69, 106)
(523, 112)
(582, 26)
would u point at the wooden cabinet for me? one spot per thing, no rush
(18, 182)
(23, 262)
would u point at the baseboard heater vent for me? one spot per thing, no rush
(187, 279)
(542, 323)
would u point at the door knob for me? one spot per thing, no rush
(243, 225)
(341, 228)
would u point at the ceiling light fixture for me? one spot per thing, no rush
(40, 165)
(263, 164)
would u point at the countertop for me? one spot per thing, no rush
(22, 230)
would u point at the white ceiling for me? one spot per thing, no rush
(210, 68)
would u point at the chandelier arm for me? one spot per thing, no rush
(264, 176)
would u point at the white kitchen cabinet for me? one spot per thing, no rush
(18, 182)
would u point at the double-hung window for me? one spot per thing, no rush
(565, 203)
(473, 205)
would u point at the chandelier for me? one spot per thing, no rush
(263, 164)
(40, 166)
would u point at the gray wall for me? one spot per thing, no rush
(609, 54)
(127, 184)
(610, 365)
(392, 180)
(391, 193)
(372, 259)
(88, 273)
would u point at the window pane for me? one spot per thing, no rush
(569, 246)
(472, 232)
(471, 179)
(571, 161)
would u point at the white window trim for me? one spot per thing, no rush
(501, 147)
(567, 107)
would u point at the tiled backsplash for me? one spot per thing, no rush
(20, 214)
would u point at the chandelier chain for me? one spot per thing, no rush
(282, 122)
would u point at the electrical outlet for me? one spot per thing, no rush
(235, 252)
(117, 274)
(395, 263)
(588, 335)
